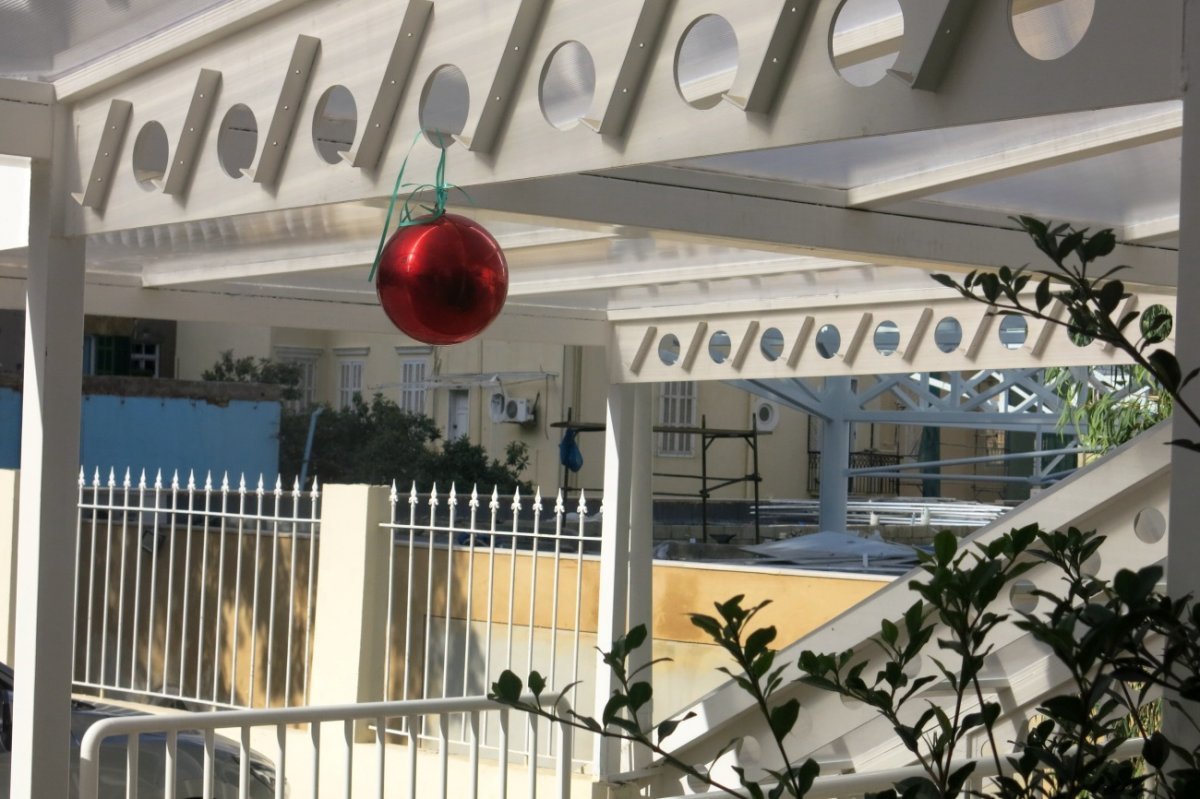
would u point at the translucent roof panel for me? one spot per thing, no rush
(47, 38)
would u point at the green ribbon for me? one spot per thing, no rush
(439, 187)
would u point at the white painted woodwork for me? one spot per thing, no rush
(49, 466)
(916, 314)
(1119, 62)
(1020, 158)
(25, 118)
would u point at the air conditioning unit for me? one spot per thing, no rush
(504, 408)
(766, 415)
(497, 406)
(518, 410)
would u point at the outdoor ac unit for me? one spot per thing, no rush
(504, 408)
(497, 406)
(518, 410)
(766, 415)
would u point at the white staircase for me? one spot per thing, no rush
(1123, 496)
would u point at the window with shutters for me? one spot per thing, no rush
(677, 408)
(305, 360)
(414, 372)
(352, 363)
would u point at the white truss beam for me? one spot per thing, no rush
(1121, 61)
(1021, 159)
(926, 341)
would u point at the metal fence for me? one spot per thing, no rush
(182, 754)
(484, 585)
(195, 594)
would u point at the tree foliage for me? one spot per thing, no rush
(249, 369)
(378, 442)
(372, 442)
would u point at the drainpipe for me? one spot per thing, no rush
(308, 443)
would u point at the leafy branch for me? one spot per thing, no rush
(1091, 302)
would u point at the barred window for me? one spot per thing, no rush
(677, 408)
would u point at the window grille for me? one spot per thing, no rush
(677, 408)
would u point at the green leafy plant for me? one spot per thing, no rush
(1091, 301)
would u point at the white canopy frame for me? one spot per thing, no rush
(795, 196)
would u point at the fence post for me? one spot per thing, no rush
(10, 483)
(349, 632)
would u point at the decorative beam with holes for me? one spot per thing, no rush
(659, 81)
(861, 338)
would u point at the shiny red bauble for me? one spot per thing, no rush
(443, 281)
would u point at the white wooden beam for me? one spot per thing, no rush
(274, 147)
(99, 179)
(191, 136)
(1020, 159)
(25, 118)
(1150, 230)
(810, 228)
(1119, 62)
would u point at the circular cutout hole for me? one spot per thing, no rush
(567, 86)
(1092, 565)
(706, 61)
(771, 344)
(1014, 330)
(913, 668)
(445, 101)
(829, 341)
(151, 152)
(1149, 525)
(719, 346)
(865, 40)
(335, 121)
(948, 334)
(1156, 323)
(1049, 29)
(887, 338)
(1021, 596)
(668, 349)
(237, 140)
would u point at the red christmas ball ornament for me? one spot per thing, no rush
(442, 281)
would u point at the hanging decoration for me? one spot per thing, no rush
(441, 278)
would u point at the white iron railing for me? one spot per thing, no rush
(456, 618)
(198, 594)
(158, 753)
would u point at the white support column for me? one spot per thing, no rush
(350, 630)
(641, 547)
(1183, 546)
(835, 454)
(614, 554)
(49, 468)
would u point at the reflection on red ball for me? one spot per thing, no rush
(443, 281)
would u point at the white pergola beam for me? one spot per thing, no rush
(1120, 62)
(1151, 230)
(25, 118)
(815, 229)
(1020, 160)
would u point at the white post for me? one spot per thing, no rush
(10, 485)
(1183, 545)
(614, 555)
(835, 454)
(49, 468)
(641, 547)
(350, 629)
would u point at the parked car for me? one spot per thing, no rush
(189, 759)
